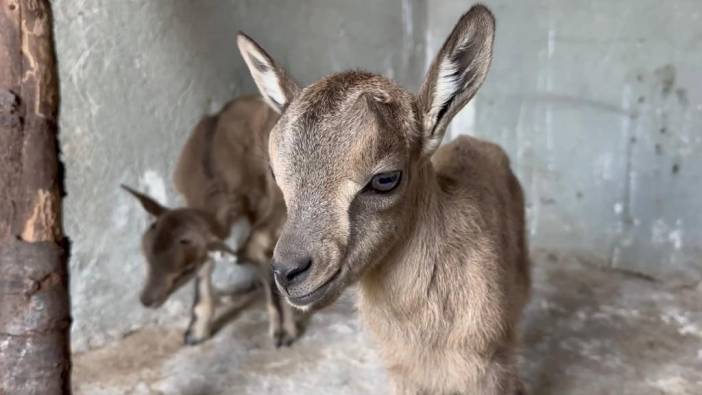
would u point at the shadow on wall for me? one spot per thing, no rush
(311, 38)
(207, 30)
(137, 75)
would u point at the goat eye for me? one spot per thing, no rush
(184, 241)
(385, 182)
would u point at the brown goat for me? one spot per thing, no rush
(224, 176)
(435, 235)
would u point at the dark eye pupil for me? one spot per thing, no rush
(385, 182)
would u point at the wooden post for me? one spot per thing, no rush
(34, 309)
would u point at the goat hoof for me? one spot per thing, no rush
(283, 339)
(191, 340)
(278, 339)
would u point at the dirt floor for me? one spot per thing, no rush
(588, 331)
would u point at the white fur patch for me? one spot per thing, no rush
(346, 194)
(268, 82)
(270, 85)
(154, 185)
(446, 84)
(446, 87)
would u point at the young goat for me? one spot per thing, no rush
(223, 174)
(435, 235)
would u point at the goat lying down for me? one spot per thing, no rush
(223, 175)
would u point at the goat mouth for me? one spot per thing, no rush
(317, 294)
(161, 300)
(158, 303)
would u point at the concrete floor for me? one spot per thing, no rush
(588, 331)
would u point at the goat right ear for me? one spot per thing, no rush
(149, 204)
(272, 81)
(456, 73)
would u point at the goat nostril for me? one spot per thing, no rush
(290, 273)
(146, 301)
(298, 270)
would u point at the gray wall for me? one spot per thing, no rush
(596, 102)
(599, 104)
(135, 77)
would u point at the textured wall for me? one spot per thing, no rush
(599, 104)
(596, 102)
(135, 77)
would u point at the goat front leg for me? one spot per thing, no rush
(290, 327)
(258, 249)
(275, 314)
(204, 303)
(282, 324)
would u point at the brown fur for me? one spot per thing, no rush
(224, 177)
(442, 259)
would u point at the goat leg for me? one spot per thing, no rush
(204, 303)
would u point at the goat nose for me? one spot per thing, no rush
(293, 272)
(147, 299)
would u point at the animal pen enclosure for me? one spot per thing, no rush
(34, 311)
(598, 105)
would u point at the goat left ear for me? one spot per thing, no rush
(150, 204)
(456, 74)
(272, 81)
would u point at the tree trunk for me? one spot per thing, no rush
(34, 309)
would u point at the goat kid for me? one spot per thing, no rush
(435, 235)
(224, 176)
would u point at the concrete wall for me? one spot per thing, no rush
(599, 104)
(135, 77)
(596, 102)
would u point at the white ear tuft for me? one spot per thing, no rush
(456, 73)
(447, 84)
(275, 87)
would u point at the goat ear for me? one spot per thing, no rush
(272, 81)
(456, 73)
(149, 204)
(219, 245)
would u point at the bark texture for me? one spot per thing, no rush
(34, 306)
